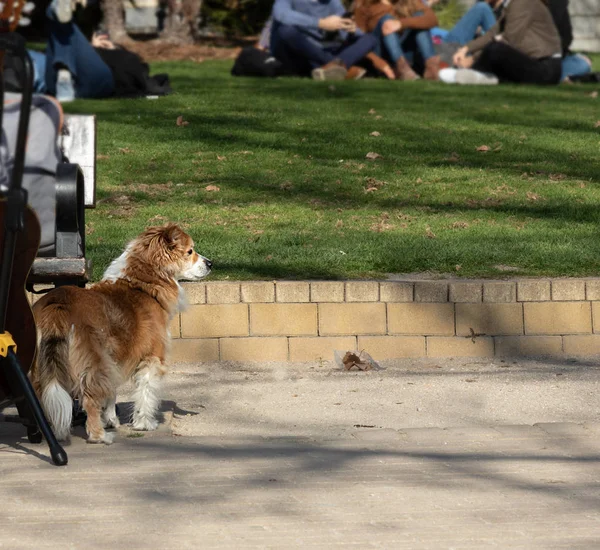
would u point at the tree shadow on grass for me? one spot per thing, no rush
(413, 140)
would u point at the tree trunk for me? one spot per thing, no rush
(181, 23)
(114, 20)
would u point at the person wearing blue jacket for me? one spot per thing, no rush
(314, 37)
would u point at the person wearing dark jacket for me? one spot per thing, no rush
(522, 47)
(74, 68)
(314, 37)
(573, 64)
(484, 13)
(70, 67)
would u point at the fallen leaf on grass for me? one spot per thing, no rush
(594, 95)
(483, 148)
(219, 157)
(212, 188)
(533, 196)
(460, 225)
(373, 156)
(339, 223)
(373, 185)
(181, 122)
(124, 150)
(504, 189)
(597, 125)
(375, 134)
(381, 226)
(429, 233)
(372, 111)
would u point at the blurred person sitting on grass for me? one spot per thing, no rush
(318, 38)
(72, 67)
(402, 29)
(483, 15)
(523, 46)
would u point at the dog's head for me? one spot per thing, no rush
(168, 249)
(172, 250)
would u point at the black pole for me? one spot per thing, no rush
(59, 456)
(14, 223)
(17, 196)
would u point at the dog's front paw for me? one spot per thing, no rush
(144, 424)
(112, 422)
(105, 438)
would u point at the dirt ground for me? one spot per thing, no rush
(160, 50)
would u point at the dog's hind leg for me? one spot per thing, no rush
(96, 387)
(93, 426)
(147, 379)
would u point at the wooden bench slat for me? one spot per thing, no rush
(48, 270)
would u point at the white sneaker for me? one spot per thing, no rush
(448, 75)
(469, 76)
(65, 91)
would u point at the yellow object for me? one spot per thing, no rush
(6, 342)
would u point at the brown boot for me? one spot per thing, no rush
(432, 68)
(381, 66)
(404, 70)
(334, 70)
(355, 73)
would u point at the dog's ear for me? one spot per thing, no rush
(172, 235)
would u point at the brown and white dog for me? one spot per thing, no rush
(92, 340)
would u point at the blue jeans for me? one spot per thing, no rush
(480, 15)
(300, 52)
(38, 61)
(67, 47)
(404, 44)
(574, 65)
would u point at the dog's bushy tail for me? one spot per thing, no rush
(51, 376)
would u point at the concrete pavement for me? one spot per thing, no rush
(452, 454)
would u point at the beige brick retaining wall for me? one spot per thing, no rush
(304, 321)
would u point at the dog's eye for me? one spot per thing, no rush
(190, 251)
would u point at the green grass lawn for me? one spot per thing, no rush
(272, 179)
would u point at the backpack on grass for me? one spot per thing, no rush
(254, 62)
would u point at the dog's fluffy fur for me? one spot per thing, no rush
(92, 340)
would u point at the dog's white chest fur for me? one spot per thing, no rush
(117, 267)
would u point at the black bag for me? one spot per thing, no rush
(255, 62)
(131, 75)
(589, 78)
